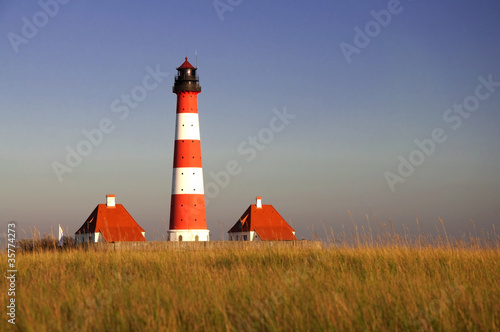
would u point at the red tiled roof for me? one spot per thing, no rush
(266, 222)
(185, 65)
(114, 223)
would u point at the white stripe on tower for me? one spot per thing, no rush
(187, 126)
(187, 180)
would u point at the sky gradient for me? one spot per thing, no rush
(352, 115)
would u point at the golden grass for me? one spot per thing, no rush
(265, 289)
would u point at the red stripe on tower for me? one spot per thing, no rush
(187, 207)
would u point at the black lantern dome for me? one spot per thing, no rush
(186, 78)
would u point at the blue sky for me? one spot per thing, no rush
(350, 116)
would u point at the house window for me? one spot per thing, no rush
(180, 237)
(197, 238)
(244, 237)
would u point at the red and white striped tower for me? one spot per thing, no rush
(187, 208)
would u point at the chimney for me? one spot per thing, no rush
(110, 200)
(259, 202)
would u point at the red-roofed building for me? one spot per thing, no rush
(261, 223)
(110, 222)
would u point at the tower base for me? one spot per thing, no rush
(188, 235)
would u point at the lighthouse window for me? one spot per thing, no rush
(180, 237)
(197, 238)
(194, 189)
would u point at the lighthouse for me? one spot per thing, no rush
(187, 206)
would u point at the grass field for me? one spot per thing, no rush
(267, 289)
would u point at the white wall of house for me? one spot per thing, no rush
(189, 235)
(94, 237)
(244, 236)
(89, 237)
